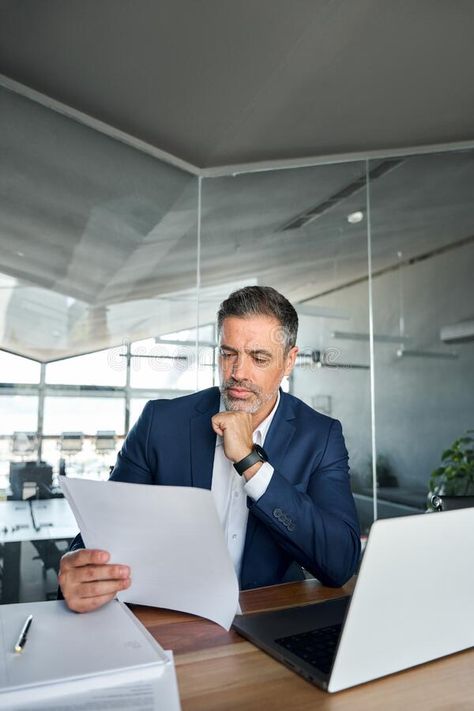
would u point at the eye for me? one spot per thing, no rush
(226, 354)
(261, 360)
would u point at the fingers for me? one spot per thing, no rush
(236, 430)
(85, 556)
(93, 573)
(216, 427)
(87, 581)
(89, 604)
(103, 587)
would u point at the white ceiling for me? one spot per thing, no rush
(99, 241)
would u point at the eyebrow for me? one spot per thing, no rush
(253, 352)
(260, 352)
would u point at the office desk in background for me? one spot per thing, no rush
(220, 671)
(38, 520)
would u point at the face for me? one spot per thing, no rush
(252, 363)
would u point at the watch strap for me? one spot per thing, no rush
(248, 461)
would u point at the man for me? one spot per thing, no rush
(278, 470)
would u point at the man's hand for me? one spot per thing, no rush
(88, 582)
(236, 429)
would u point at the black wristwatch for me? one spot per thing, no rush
(256, 455)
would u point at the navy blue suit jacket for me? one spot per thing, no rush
(307, 514)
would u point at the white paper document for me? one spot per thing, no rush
(159, 694)
(171, 538)
(80, 661)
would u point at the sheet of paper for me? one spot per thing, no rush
(159, 694)
(171, 538)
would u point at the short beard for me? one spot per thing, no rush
(236, 404)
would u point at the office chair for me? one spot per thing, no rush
(440, 502)
(24, 444)
(71, 442)
(105, 441)
(34, 476)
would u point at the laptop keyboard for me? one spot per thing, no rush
(317, 647)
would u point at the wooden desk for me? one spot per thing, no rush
(220, 671)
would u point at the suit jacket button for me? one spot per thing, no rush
(277, 513)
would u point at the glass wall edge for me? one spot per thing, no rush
(97, 125)
(333, 159)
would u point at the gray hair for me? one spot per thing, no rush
(261, 301)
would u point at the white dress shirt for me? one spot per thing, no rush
(230, 490)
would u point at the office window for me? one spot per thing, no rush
(107, 367)
(83, 414)
(138, 403)
(15, 369)
(18, 413)
(136, 406)
(205, 333)
(158, 365)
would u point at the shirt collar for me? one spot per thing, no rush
(262, 429)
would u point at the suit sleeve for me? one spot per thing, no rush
(318, 526)
(132, 461)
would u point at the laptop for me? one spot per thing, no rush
(413, 602)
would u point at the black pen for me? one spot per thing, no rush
(23, 634)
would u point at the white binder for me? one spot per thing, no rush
(69, 654)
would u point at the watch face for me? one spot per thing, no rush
(261, 452)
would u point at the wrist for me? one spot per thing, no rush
(256, 456)
(251, 471)
(241, 454)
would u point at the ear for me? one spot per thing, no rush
(291, 360)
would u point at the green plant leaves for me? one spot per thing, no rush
(456, 476)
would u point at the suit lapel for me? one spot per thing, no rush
(276, 444)
(280, 433)
(203, 440)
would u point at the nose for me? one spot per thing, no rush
(240, 367)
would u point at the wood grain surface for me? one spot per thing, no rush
(220, 671)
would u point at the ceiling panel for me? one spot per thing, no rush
(99, 241)
(219, 82)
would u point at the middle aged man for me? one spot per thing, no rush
(278, 470)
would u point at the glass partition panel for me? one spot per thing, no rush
(170, 364)
(423, 262)
(302, 231)
(98, 249)
(334, 377)
(97, 239)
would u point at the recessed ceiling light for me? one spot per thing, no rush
(355, 217)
